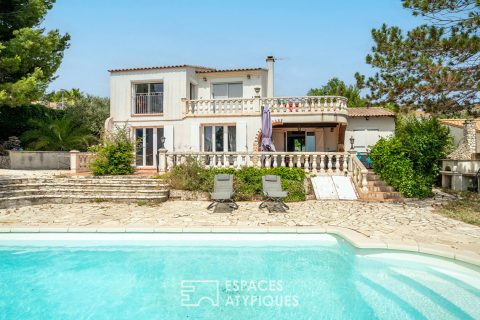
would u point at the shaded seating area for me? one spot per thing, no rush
(223, 191)
(272, 190)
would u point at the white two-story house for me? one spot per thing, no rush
(205, 109)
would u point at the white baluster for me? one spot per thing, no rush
(345, 163)
(322, 163)
(329, 156)
(291, 158)
(314, 164)
(299, 163)
(306, 164)
(275, 161)
(282, 162)
(337, 164)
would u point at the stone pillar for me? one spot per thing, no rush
(162, 160)
(74, 161)
(469, 144)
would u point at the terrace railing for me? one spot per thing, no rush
(147, 103)
(278, 105)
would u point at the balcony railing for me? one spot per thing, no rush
(278, 105)
(147, 103)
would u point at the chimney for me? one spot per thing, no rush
(468, 147)
(270, 82)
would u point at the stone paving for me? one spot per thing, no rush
(385, 221)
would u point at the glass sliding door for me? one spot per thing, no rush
(149, 140)
(139, 144)
(207, 139)
(149, 147)
(219, 138)
(232, 138)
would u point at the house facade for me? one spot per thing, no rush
(200, 109)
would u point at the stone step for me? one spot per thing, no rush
(385, 195)
(81, 181)
(377, 183)
(62, 199)
(84, 192)
(381, 189)
(373, 177)
(118, 186)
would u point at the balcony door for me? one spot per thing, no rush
(148, 143)
(148, 98)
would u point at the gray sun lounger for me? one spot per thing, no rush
(223, 191)
(272, 190)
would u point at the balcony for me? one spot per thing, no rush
(278, 106)
(147, 103)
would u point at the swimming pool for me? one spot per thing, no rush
(227, 277)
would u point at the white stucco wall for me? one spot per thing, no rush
(367, 132)
(257, 79)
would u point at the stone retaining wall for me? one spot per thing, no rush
(39, 160)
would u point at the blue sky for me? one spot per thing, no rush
(315, 40)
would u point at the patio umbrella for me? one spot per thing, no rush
(267, 143)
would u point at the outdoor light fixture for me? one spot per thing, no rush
(248, 76)
(257, 90)
(352, 141)
(205, 79)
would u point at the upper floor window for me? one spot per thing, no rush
(227, 90)
(148, 98)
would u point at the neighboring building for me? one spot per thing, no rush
(456, 127)
(205, 109)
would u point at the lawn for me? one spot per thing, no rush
(465, 208)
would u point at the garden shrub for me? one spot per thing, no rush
(115, 156)
(247, 181)
(409, 160)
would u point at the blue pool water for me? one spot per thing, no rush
(318, 280)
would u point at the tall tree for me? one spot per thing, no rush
(434, 66)
(336, 87)
(29, 56)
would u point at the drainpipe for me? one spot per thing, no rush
(270, 83)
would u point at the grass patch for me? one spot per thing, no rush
(141, 203)
(466, 208)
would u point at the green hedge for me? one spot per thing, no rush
(247, 180)
(409, 160)
(115, 156)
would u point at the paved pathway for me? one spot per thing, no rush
(406, 222)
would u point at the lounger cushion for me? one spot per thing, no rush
(276, 194)
(221, 195)
(271, 178)
(222, 177)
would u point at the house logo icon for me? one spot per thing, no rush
(195, 293)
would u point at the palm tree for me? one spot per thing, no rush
(58, 134)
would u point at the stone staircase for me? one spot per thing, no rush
(378, 190)
(16, 192)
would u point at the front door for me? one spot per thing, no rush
(296, 141)
(149, 140)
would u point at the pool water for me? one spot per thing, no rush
(325, 279)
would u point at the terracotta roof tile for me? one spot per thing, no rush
(459, 123)
(230, 70)
(161, 67)
(370, 112)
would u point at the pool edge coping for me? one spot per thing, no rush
(355, 238)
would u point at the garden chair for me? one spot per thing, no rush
(223, 191)
(272, 190)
